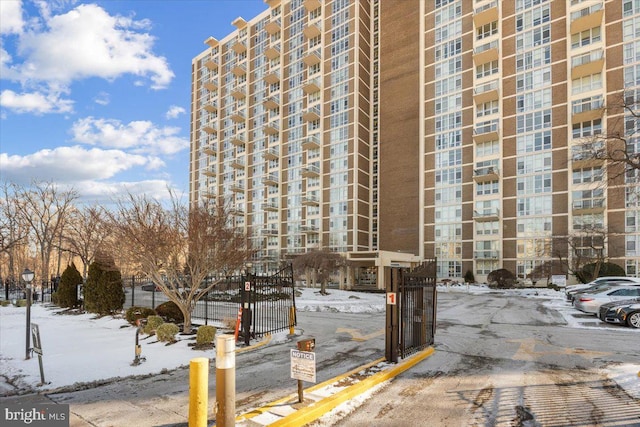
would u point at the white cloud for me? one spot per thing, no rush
(35, 102)
(107, 192)
(11, 17)
(102, 98)
(68, 164)
(87, 42)
(137, 136)
(174, 112)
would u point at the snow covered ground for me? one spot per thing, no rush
(84, 349)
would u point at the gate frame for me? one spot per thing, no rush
(397, 279)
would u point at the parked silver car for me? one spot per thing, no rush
(598, 283)
(591, 302)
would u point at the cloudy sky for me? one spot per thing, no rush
(97, 94)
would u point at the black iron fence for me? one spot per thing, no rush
(268, 302)
(16, 292)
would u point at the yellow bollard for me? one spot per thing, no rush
(198, 391)
(292, 318)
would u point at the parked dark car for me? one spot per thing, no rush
(609, 311)
(151, 287)
(630, 314)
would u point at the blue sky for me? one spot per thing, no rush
(96, 95)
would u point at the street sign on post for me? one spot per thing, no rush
(303, 365)
(37, 348)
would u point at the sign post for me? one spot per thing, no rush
(303, 364)
(37, 348)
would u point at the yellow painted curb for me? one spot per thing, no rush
(262, 343)
(318, 409)
(289, 398)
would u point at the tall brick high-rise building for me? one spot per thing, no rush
(393, 131)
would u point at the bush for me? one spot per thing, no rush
(205, 335)
(170, 312)
(103, 291)
(152, 324)
(501, 278)
(4, 303)
(167, 332)
(134, 313)
(469, 277)
(586, 275)
(21, 303)
(54, 299)
(67, 293)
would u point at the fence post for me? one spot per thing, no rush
(153, 296)
(133, 291)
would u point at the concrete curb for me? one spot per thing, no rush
(317, 409)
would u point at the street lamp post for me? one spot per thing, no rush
(27, 276)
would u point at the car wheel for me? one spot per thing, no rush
(633, 319)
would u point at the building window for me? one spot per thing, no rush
(586, 37)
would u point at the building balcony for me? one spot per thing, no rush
(238, 139)
(587, 64)
(585, 160)
(210, 171)
(311, 114)
(272, 128)
(271, 102)
(486, 14)
(490, 214)
(486, 131)
(272, 52)
(237, 211)
(211, 63)
(238, 163)
(310, 229)
(271, 179)
(211, 149)
(239, 91)
(273, 26)
(239, 70)
(311, 4)
(311, 171)
(486, 53)
(588, 206)
(312, 58)
(586, 18)
(238, 116)
(209, 194)
(487, 254)
(271, 154)
(310, 200)
(211, 42)
(211, 107)
(486, 92)
(211, 85)
(271, 207)
(312, 85)
(239, 46)
(269, 231)
(210, 127)
(312, 30)
(273, 76)
(237, 187)
(486, 174)
(311, 142)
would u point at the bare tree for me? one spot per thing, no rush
(13, 232)
(85, 233)
(579, 249)
(45, 208)
(321, 263)
(178, 248)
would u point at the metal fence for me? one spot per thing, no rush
(269, 301)
(39, 293)
(417, 308)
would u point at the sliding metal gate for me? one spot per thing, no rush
(411, 310)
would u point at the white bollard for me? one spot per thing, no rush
(225, 380)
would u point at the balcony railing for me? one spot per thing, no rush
(486, 254)
(594, 55)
